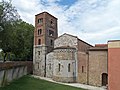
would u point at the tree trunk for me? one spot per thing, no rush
(5, 57)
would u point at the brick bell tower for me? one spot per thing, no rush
(44, 35)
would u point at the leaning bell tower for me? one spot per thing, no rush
(44, 35)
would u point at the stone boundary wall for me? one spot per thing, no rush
(13, 70)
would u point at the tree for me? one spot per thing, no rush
(22, 42)
(8, 15)
(16, 36)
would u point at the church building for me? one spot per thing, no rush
(67, 58)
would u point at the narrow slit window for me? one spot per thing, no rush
(50, 66)
(51, 42)
(82, 69)
(69, 67)
(59, 67)
(38, 65)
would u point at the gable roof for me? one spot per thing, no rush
(68, 35)
(45, 13)
(74, 37)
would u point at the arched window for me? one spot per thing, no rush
(51, 33)
(69, 67)
(59, 67)
(39, 31)
(39, 41)
(40, 20)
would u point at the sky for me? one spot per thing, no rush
(94, 21)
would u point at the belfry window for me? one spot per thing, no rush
(39, 41)
(69, 67)
(40, 21)
(51, 22)
(39, 31)
(51, 33)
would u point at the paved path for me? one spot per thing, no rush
(88, 87)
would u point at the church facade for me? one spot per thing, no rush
(67, 58)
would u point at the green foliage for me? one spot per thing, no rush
(30, 83)
(16, 36)
(8, 14)
(22, 40)
(1, 56)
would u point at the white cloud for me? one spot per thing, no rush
(95, 21)
(50, 1)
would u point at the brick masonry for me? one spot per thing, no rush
(43, 42)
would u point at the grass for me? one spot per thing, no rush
(30, 83)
